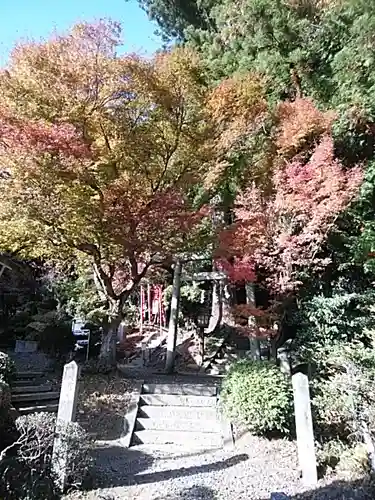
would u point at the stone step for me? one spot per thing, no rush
(185, 389)
(29, 374)
(178, 424)
(180, 412)
(157, 437)
(31, 388)
(169, 449)
(35, 396)
(48, 408)
(177, 400)
(26, 382)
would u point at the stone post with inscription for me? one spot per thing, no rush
(65, 415)
(304, 428)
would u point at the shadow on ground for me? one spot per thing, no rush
(361, 489)
(116, 466)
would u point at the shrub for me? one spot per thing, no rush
(328, 454)
(7, 368)
(258, 395)
(53, 331)
(344, 394)
(336, 320)
(344, 459)
(354, 461)
(27, 472)
(8, 431)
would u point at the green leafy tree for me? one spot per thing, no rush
(174, 17)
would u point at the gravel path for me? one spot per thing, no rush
(249, 472)
(254, 469)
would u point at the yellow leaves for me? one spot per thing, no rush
(65, 78)
(240, 98)
(182, 70)
(236, 108)
(152, 128)
(299, 123)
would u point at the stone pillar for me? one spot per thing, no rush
(65, 415)
(304, 429)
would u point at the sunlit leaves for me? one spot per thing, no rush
(284, 231)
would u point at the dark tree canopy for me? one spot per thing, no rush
(175, 16)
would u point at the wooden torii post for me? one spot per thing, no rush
(3, 266)
(175, 302)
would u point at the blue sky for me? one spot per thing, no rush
(22, 19)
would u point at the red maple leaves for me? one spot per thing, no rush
(27, 135)
(284, 232)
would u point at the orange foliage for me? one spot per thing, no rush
(299, 123)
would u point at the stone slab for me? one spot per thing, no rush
(35, 396)
(156, 437)
(19, 389)
(25, 346)
(183, 412)
(183, 389)
(304, 429)
(179, 424)
(49, 408)
(29, 374)
(178, 400)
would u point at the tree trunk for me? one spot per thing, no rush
(107, 353)
(254, 342)
(173, 321)
(201, 345)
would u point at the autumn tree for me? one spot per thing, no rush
(104, 156)
(283, 231)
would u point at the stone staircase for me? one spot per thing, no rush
(139, 349)
(31, 393)
(184, 415)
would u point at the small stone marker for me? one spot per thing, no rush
(66, 414)
(304, 429)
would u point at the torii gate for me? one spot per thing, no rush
(172, 329)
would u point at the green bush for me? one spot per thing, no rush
(259, 396)
(8, 432)
(328, 321)
(344, 393)
(354, 462)
(53, 331)
(328, 454)
(7, 368)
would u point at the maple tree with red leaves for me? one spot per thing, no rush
(104, 156)
(283, 231)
